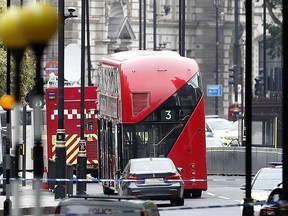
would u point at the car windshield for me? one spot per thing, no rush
(267, 179)
(213, 143)
(234, 126)
(164, 166)
(220, 125)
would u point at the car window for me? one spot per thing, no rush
(220, 125)
(163, 165)
(275, 195)
(267, 179)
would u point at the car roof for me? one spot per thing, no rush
(101, 200)
(215, 119)
(150, 159)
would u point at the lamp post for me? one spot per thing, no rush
(142, 24)
(6, 159)
(264, 49)
(60, 189)
(236, 56)
(88, 45)
(181, 27)
(154, 25)
(217, 3)
(33, 25)
(82, 157)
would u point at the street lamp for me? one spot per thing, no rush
(33, 25)
(82, 156)
(181, 27)
(166, 11)
(60, 189)
(154, 25)
(217, 4)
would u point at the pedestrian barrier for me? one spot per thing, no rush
(231, 160)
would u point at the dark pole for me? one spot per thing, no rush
(24, 145)
(140, 25)
(82, 158)
(60, 189)
(248, 209)
(264, 48)
(284, 197)
(144, 25)
(7, 187)
(183, 28)
(24, 137)
(88, 45)
(217, 2)
(154, 25)
(180, 27)
(236, 49)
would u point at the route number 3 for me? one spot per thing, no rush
(168, 115)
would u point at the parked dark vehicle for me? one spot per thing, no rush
(152, 178)
(271, 207)
(106, 205)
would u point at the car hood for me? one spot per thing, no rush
(260, 195)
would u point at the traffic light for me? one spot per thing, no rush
(259, 83)
(35, 98)
(232, 75)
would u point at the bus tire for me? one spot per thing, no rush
(187, 193)
(196, 193)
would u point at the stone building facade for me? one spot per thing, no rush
(114, 26)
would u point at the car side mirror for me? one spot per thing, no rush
(180, 169)
(243, 187)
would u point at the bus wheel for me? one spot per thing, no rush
(177, 202)
(107, 191)
(196, 193)
(187, 193)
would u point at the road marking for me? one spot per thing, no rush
(222, 197)
(211, 194)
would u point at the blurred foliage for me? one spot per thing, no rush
(27, 68)
(274, 39)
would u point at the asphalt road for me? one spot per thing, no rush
(221, 198)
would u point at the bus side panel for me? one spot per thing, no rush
(192, 140)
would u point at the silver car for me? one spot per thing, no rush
(152, 178)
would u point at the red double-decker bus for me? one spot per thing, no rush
(151, 105)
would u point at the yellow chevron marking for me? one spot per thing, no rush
(93, 161)
(69, 160)
(95, 136)
(75, 143)
(53, 143)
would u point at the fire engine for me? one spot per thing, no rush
(72, 115)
